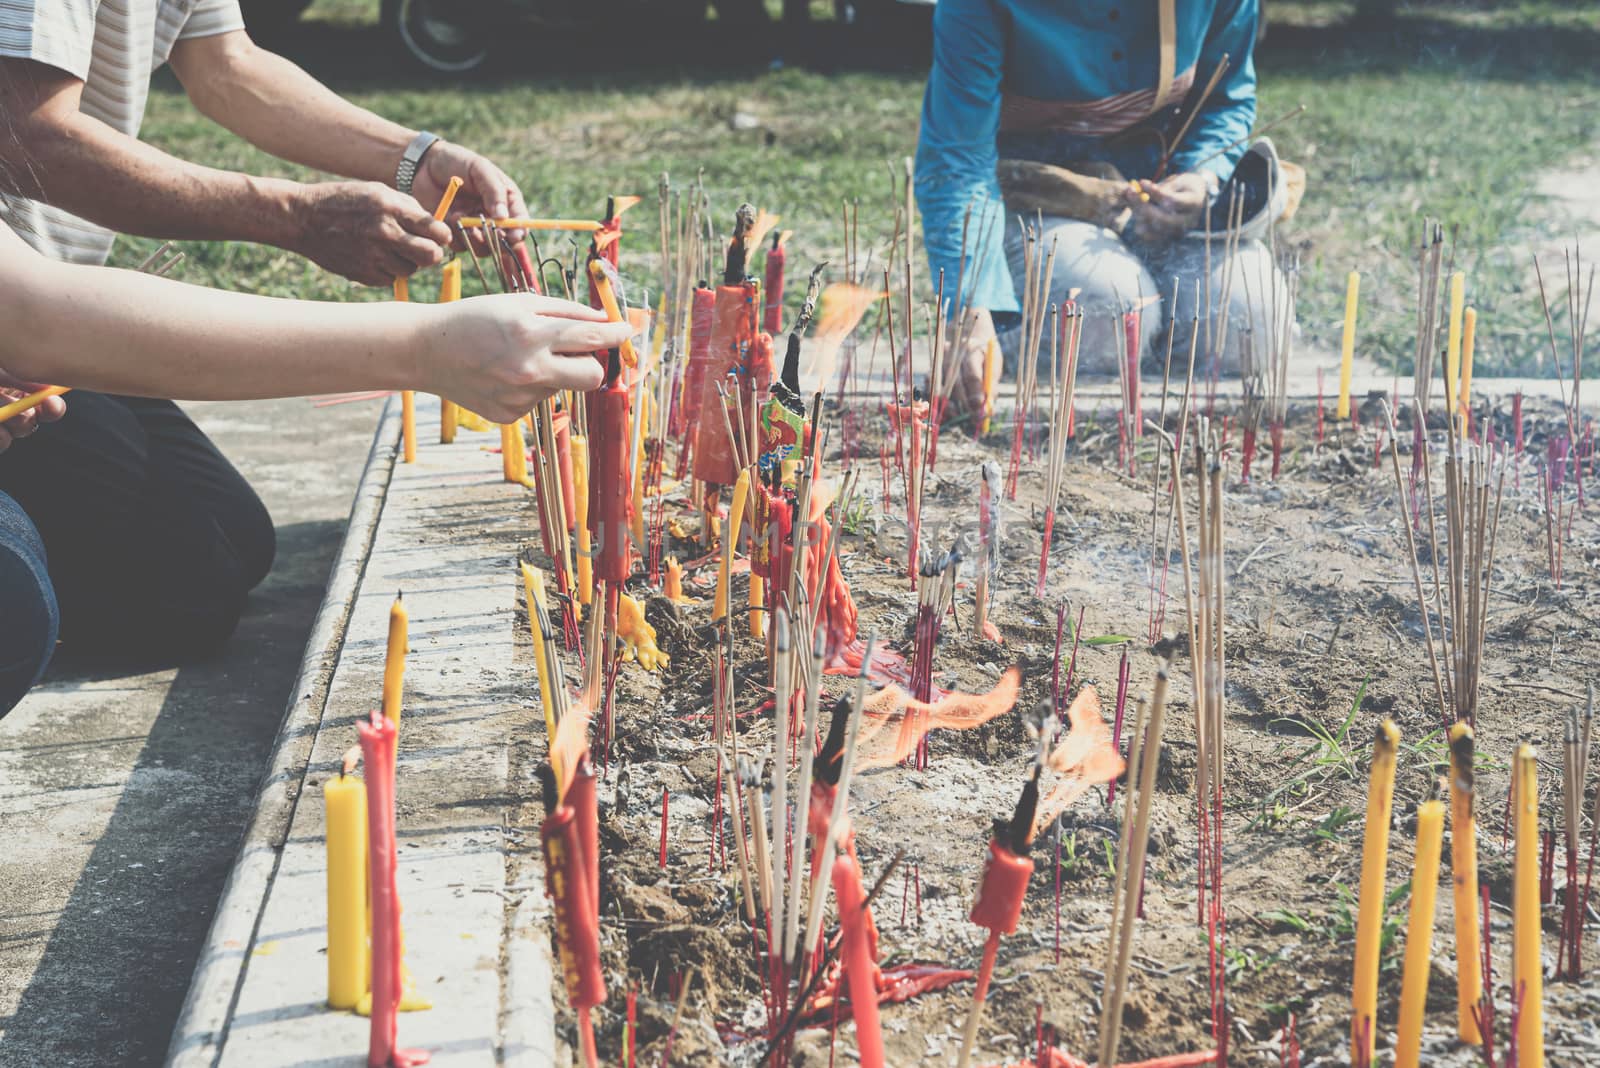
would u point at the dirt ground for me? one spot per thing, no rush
(1320, 614)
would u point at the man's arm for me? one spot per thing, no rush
(68, 159)
(282, 110)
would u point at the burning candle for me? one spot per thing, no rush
(1347, 346)
(1464, 872)
(394, 661)
(1369, 919)
(344, 801)
(1419, 933)
(377, 752)
(1527, 967)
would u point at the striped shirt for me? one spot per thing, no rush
(112, 46)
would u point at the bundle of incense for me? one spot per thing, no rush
(1217, 326)
(1204, 595)
(998, 907)
(1577, 309)
(791, 926)
(1144, 753)
(1037, 274)
(988, 541)
(1160, 560)
(838, 820)
(935, 589)
(1462, 568)
(1275, 339)
(1130, 424)
(1574, 770)
(1369, 903)
(1063, 386)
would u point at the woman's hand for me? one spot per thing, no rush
(501, 355)
(1166, 210)
(971, 339)
(25, 424)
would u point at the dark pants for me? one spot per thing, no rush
(27, 605)
(153, 538)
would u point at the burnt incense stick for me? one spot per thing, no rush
(1144, 753)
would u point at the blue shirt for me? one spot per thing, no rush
(1054, 81)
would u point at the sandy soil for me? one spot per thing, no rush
(1320, 609)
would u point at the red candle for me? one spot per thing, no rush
(378, 737)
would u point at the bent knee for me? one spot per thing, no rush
(28, 625)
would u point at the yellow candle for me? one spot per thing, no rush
(408, 425)
(1369, 918)
(1347, 347)
(758, 602)
(30, 402)
(991, 380)
(1464, 872)
(1527, 966)
(580, 489)
(394, 661)
(741, 489)
(533, 594)
(1419, 933)
(508, 453)
(449, 290)
(1452, 348)
(519, 454)
(344, 801)
(1469, 331)
(408, 399)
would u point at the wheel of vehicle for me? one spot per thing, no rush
(267, 17)
(437, 34)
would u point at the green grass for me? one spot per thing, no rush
(1453, 115)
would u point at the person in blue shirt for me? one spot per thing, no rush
(1090, 85)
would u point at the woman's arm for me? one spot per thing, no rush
(956, 157)
(1229, 112)
(124, 332)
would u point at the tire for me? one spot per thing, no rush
(267, 18)
(432, 35)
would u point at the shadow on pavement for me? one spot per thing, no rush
(115, 970)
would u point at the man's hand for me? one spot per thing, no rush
(1166, 210)
(486, 190)
(368, 232)
(25, 424)
(969, 339)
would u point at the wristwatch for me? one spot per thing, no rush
(411, 158)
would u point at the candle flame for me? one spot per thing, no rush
(839, 312)
(352, 758)
(1084, 759)
(892, 706)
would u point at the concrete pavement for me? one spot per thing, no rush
(123, 798)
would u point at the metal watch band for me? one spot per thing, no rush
(406, 172)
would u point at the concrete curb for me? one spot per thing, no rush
(201, 1030)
